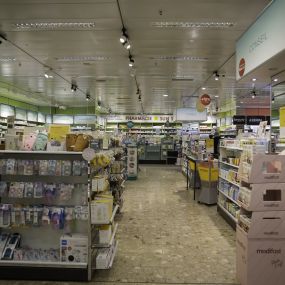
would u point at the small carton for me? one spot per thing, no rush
(101, 211)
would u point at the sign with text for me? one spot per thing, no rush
(250, 120)
(190, 114)
(239, 120)
(263, 40)
(140, 118)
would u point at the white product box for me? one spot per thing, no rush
(267, 169)
(105, 234)
(104, 256)
(98, 184)
(51, 146)
(101, 211)
(260, 261)
(74, 248)
(263, 197)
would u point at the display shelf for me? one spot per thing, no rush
(45, 178)
(122, 171)
(39, 263)
(111, 240)
(227, 212)
(229, 164)
(232, 148)
(227, 196)
(232, 182)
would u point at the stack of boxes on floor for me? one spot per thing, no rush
(261, 225)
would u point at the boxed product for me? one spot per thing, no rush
(101, 210)
(104, 256)
(99, 184)
(264, 254)
(74, 248)
(263, 197)
(105, 234)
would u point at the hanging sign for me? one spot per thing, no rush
(239, 120)
(205, 99)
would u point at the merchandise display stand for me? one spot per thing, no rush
(132, 162)
(231, 152)
(43, 196)
(261, 225)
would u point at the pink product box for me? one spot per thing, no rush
(260, 261)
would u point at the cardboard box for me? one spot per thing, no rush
(266, 225)
(260, 261)
(263, 197)
(74, 248)
(101, 211)
(267, 169)
(104, 256)
(105, 234)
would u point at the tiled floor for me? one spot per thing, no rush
(167, 238)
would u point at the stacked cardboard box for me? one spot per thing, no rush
(261, 224)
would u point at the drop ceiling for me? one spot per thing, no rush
(176, 46)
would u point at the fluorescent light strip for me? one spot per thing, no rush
(203, 25)
(81, 58)
(55, 25)
(180, 57)
(7, 59)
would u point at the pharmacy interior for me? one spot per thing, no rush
(74, 131)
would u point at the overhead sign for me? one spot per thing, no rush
(263, 40)
(190, 114)
(250, 120)
(239, 120)
(140, 118)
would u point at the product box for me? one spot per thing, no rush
(263, 197)
(101, 211)
(267, 225)
(260, 261)
(267, 168)
(105, 234)
(104, 256)
(74, 248)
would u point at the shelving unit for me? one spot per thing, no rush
(45, 231)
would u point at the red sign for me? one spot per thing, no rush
(205, 99)
(241, 67)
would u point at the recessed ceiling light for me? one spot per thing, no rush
(253, 79)
(193, 24)
(54, 25)
(179, 58)
(81, 58)
(203, 88)
(275, 79)
(165, 95)
(241, 102)
(216, 96)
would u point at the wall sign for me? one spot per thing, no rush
(140, 118)
(190, 114)
(263, 40)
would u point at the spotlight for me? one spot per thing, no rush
(140, 98)
(216, 75)
(46, 75)
(127, 45)
(253, 94)
(73, 86)
(124, 37)
(99, 103)
(131, 61)
(275, 79)
(88, 97)
(273, 99)
(138, 91)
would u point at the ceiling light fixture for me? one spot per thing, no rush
(55, 25)
(127, 45)
(46, 75)
(275, 79)
(179, 58)
(73, 86)
(273, 99)
(253, 79)
(165, 95)
(88, 96)
(131, 61)
(81, 58)
(216, 75)
(203, 88)
(253, 94)
(7, 59)
(216, 96)
(204, 25)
